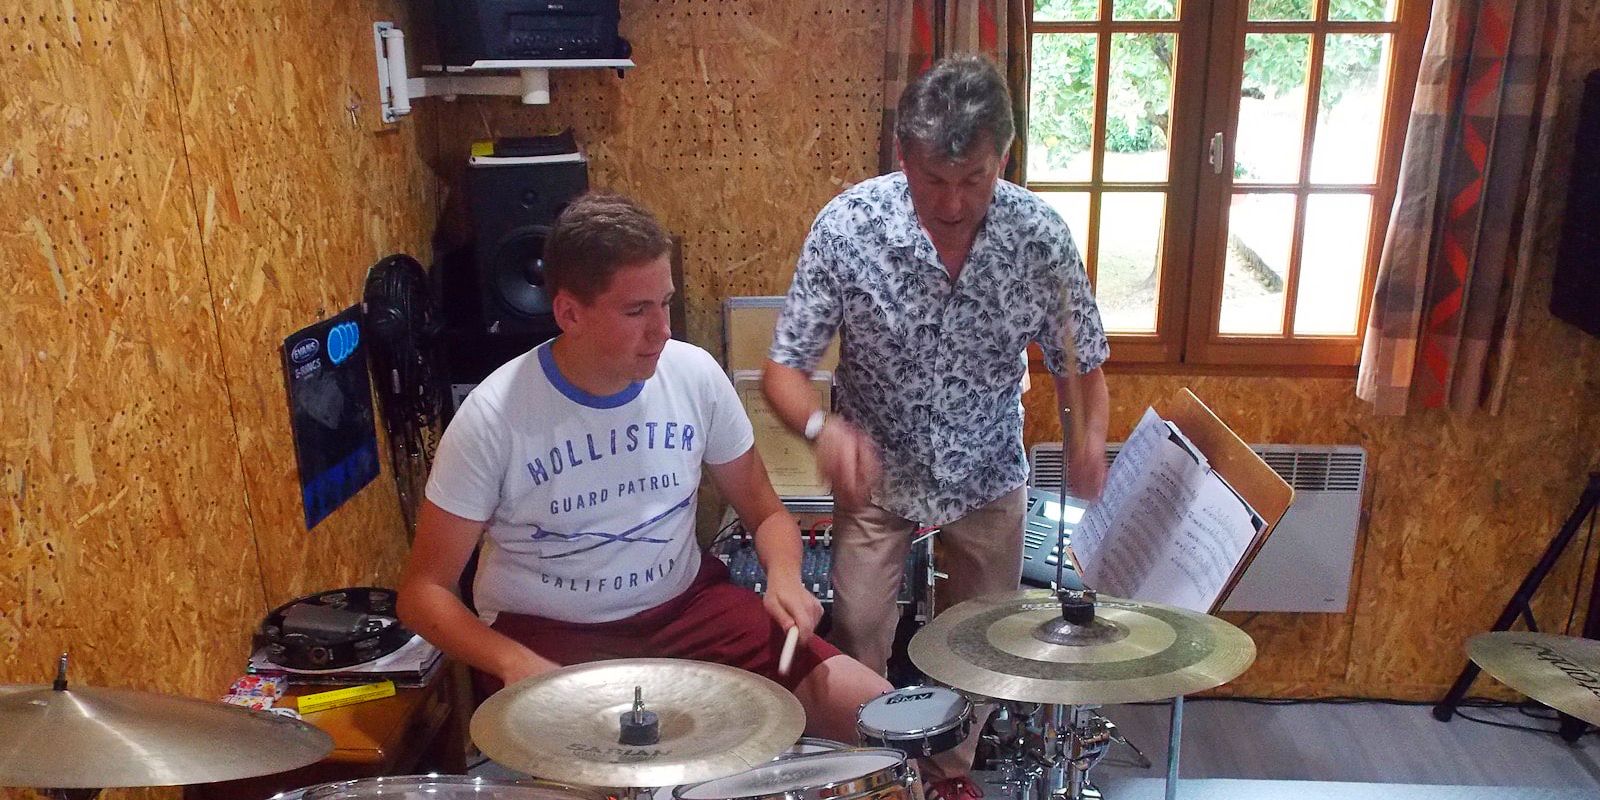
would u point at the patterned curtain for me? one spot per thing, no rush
(921, 32)
(1451, 277)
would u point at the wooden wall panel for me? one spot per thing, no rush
(298, 197)
(743, 118)
(125, 536)
(181, 186)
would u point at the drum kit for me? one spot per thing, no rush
(1042, 662)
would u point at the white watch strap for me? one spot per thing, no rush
(814, 424)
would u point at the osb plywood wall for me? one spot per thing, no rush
(742, 119)
(1459, 507)
(298, 190)
(181, 187)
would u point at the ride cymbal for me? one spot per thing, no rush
(1014, 646)
(714, 721)
(96, 738)
(1563, 672)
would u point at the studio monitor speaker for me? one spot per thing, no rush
(1575, 290)
(513, 207)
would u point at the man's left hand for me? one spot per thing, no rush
(792, 606)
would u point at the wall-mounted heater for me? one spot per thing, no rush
(1305, 565)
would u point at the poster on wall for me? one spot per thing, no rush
(330, 411)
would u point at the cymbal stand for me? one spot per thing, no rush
(1046, 752)
(60, 685)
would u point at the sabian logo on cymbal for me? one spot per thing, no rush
(1585, 678)
(906, 698)
(627, 753)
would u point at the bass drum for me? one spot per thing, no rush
(441, 787)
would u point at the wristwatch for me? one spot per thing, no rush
(814, 425)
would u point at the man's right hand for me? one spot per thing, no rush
(849, 460)
(523, 665)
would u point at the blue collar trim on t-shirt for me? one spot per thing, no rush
(547, 360)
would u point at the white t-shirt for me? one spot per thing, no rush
(589, 500)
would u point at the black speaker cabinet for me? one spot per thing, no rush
(1575, 290)
(527, 30)
(513, 207)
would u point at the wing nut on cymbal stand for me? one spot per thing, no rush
(640, 728)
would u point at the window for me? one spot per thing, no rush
(1226, 167)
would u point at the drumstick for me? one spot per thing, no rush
(788, 649)
(1076, 567)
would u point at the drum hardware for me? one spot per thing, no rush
(1064, 654)
(566, 725)
(638, 726)
(74, 741)
(1047, 751)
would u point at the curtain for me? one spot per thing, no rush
(921, 32)
(1445, 306)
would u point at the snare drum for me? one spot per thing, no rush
(812, 744)
(807, 745)
(917, 720)
(854, 774)
(443, 787)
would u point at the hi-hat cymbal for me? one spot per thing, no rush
(1012, 646)
(93, 738)
(1563, 672)
(564, 725)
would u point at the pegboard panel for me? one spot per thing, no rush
(124, 530)
(300, 195)
(740, 122)
(146, 474)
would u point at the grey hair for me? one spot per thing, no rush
(950, 108)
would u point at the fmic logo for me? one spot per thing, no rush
(908, 698)
(342, 341)
(304, 350)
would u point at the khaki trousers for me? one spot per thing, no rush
(980, 554)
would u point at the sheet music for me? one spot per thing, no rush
(1167, 528)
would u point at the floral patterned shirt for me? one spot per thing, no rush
(931, 368)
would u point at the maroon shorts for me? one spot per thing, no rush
(713, 620)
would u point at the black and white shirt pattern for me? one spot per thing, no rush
(931, 368)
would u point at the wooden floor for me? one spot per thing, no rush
(1351, 744)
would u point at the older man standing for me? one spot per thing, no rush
(937, 278)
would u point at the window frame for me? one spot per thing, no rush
(1206, 99)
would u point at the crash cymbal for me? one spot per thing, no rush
(565, 725)
(1563, 672)
(1013, 646)
(87, 738)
